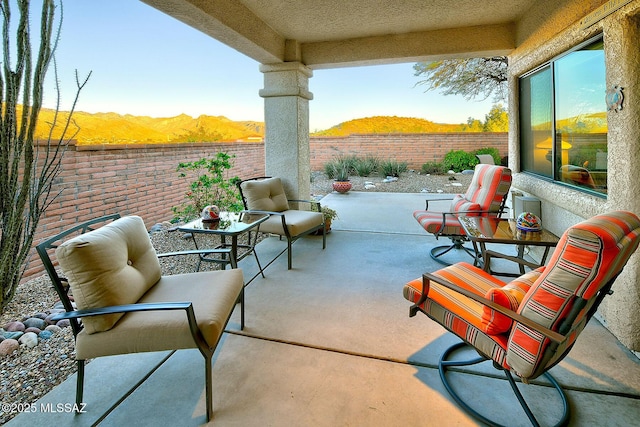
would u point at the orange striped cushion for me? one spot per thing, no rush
(467, 277)
(509, 296)
(461, 204)
(485, 193)
(432, 222)
(588, 256)
(489, 185)
(465, 320)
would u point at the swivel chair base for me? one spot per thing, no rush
(445, 364)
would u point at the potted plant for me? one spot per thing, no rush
(327, 213)
(341, 182)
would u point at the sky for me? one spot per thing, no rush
(143, 62)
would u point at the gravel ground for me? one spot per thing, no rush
(28, 374)
(409, 182)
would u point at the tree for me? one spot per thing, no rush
(27, 170)
(497, 120)
(469, 77)
(211, 186)
(473, 125)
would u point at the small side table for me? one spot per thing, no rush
(232, 225)
(482, 230)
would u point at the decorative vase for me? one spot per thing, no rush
(341, 186)
(210, 213)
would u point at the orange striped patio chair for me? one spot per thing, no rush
(527, 326)
(486, 195)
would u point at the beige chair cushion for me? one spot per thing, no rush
(298, 222)
(265, 195)
(213, 294)
(113, 265)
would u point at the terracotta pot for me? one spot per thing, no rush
(341, 186)
(327, 228)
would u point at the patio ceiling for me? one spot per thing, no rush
(335, 33)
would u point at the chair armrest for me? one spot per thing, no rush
(490, 253)
(302, 201)
(552, 335)
(281, 214)
(226, 251)
(186, 306)
(435, 200)
(127, 308)
(256, 211)
(458, 213)
(310, 202)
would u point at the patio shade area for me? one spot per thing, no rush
(330, 343)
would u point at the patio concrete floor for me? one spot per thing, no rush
(330, 343)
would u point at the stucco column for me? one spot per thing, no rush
(620, 310)
(286, 113)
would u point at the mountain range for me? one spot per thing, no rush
(388, 124)
(112, 128)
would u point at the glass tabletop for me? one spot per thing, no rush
(502, 230)
(230, 223)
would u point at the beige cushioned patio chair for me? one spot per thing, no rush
(267, 195)
(125, 305)
(527, 326)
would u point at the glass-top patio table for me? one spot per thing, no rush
(482, 230)
(231, 224)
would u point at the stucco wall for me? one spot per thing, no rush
(563, 206)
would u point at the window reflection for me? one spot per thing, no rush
(536, 120)
(564, 135)
(581, 120)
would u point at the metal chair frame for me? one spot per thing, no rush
(555, 337)
(290, 238)
(458, 240)
(74, 316)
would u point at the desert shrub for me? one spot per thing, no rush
(341, 167)
(366, 166)
(490, 150)
(434, 168)
(392, 168)
(330, 169)
(210, 185)
(459, 160)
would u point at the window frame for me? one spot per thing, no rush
(555, 170)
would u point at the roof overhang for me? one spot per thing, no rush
(335, 33)
(339, 33)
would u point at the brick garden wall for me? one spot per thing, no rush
(131, 180)
(415, 149)
(142, 180)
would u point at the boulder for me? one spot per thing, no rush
(29, 340)
(53, 329)
(45, 335)
(64, 323)
(14, 327)
(34, 322)
(13, 335)
(8, 346)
